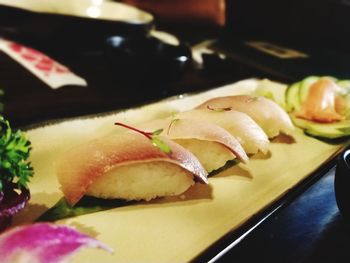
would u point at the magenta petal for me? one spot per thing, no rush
(44, 242)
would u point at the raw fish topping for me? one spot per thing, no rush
(320, 106)
(82, 165)
(265, 112)
(321, 102)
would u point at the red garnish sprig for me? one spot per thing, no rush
(152, 136)
(146, 134)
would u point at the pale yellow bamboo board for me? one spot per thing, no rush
(171, 229)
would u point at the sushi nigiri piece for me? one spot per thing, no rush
(266, 113)
(211, 144)
(241, 126)
(127, 165)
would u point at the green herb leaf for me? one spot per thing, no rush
(153, 136)
(159, 143)
(157, 132)
(269, 95)
(86, 205)
(14, 151)
(171, 125)
(156, 141)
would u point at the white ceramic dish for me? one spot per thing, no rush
(71, 24)
(94, 9)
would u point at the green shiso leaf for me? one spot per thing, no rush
(86, 205)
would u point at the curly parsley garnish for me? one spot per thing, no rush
(14, 152)
(152, 136)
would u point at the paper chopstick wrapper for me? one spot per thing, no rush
(54, 74)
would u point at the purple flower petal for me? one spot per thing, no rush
(44, 242)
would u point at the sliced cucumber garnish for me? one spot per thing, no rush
(297, 93)
(272, 90)
(344, 87)
(324, 130)
(345, 83)
(292, 97)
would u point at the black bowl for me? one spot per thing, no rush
(342, 183)
(147, 58)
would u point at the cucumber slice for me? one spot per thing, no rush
(297, 93)
(346, 112)
(344, 87)
(292, 98)
(305, 86)
(324, 130)
(345, 83)
(272, 90)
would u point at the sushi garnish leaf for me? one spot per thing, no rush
(171, 125)
(252, 98)
(152, 136)
(156, 141)
(156, 132)
(14, 152)
(219, 109)
(87, 205)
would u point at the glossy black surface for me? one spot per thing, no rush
(342, 183)
(318, 61)
(310, 229)
(147, 57)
